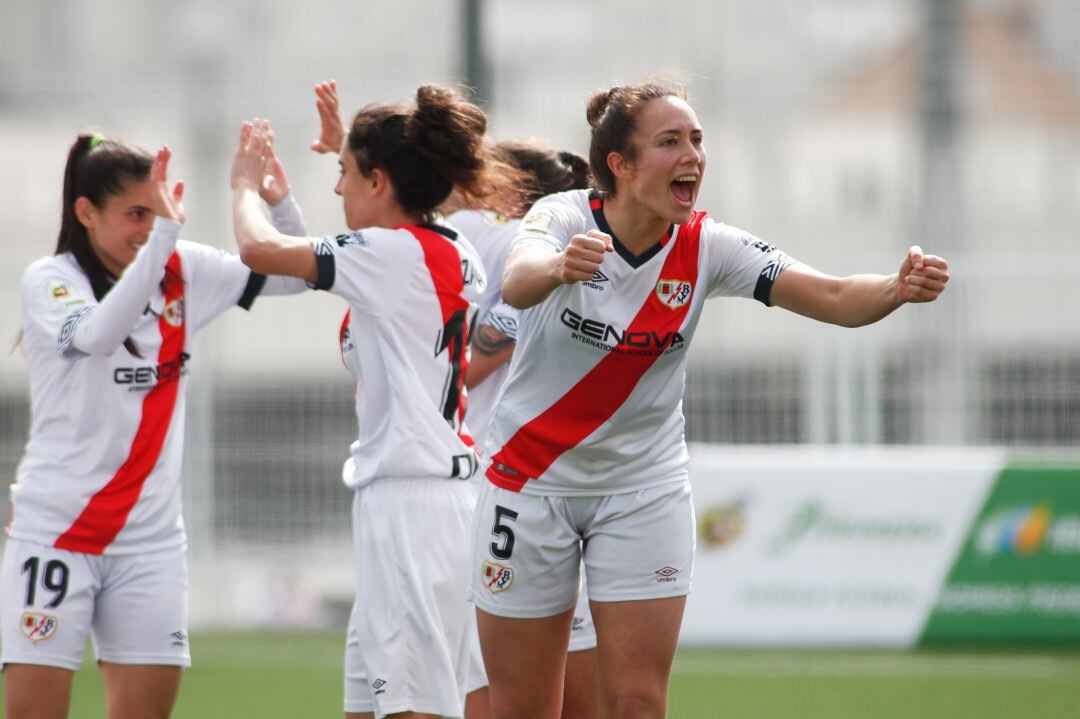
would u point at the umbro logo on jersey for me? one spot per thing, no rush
(597, 281)
(674, 293)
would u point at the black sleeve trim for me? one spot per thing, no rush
(254, 286)
(768, 276)
(325, 266)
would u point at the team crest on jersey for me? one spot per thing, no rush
(497, 578)
(38, 627)
(174, 312)
(674, 293)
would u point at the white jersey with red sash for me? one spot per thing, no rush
(411, 293)
(101, 471)
(491, 235)
(593, 402)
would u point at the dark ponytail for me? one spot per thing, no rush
(612, 114)
(97, 169)
(432, 148)
(546, 170)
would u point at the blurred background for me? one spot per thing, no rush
(842, 131)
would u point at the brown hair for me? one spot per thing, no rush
(613, 114)
(432, 148)
(97, 168)
(546, 170)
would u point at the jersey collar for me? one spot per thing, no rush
(440, 229)
(596, 204)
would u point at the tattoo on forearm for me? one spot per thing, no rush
(488, 341)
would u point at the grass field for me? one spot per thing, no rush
(299, 675)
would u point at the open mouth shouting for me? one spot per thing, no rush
(684, 189)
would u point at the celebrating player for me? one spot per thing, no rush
(546, 172)
(410, 285)
(588, 459)
(97, 542)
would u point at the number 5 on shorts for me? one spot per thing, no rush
(501, 530)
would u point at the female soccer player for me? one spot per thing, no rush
(410, 285)
(97, 542)
(547, 172)
(587, 451)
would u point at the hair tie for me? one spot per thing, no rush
(96, 139)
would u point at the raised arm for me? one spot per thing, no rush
(860, 299)
(262, 247)
(332, 129)
(534, 271)
(100, 330)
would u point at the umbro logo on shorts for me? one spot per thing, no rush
(38, 627)
(179, 638)
(667, 574)
(378, 685)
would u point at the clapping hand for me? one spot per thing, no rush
(332, 135)
(165, 203)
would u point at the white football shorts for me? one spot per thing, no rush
(135, 606)
(411, 643)
(582, 629)
(527, 548)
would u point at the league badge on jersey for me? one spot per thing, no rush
(62, 295)
(497, 577)
(674, 293)
(174, 312)
(537, 220)
(38, 627)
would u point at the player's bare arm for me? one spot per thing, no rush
(533, 272)
(491, 349)
(860, 299)
(263, 248)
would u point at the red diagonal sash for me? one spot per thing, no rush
(107, 512)
(601, 392)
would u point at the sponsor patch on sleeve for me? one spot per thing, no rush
(351, 239)
(62, 295)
